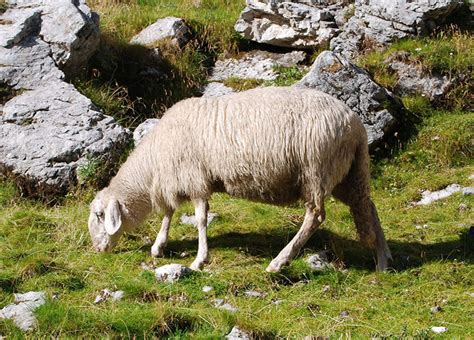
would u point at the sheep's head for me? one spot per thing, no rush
(105, 221)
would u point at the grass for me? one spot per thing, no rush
(448, 53)
(132, 82)
(48, 248)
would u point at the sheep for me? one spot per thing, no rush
(273, 145)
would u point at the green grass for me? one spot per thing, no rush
(132, 83)
(448, 53)
(48, 248)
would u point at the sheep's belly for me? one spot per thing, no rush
(285, 191)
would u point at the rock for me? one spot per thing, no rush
(207, 289)
(21, 311)
(254, 294)
(413, 80)
(295, 24)
(46, 134)
(439, 329)
(319, 261)
(106, 294)
(380, 22)
(376, 106)
(344, 314)
(216, 89)
(238, 334)
(255, 65)
(142, 129)
(70, 29)
(171, 273)
(468, 191)
(191, 219)
(171, 28)
(428, 197)
(219, 303)
(436, 309)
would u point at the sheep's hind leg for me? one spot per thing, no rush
(313, 218)
(366, 220)
(200, 210)
(157, 249)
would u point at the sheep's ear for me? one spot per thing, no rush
(113, 218)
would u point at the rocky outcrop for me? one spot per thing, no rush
(49, 129)
(68, 27)
(338, 77)
(412, 79)
(255, 65)
(171, 28)
(380, 22)
(47, 133)
(295, 24)
(21, 311)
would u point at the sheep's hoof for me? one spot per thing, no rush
(157, 251)
(274, 267)
(197, 265)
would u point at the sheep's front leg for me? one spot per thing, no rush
(312, 220)
(200, 211)
(157, 249)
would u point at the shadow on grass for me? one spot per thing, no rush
(406, 255)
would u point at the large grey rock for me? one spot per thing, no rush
(412, 79)
(379, 22)
(295, 24)
(429, 197)
(69, 27)
(47, 133)
(142, 129)
(255, 65)
(21, 311)
(216, 89)
(166, 28)
(338, 77)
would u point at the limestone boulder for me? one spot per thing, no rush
(69, 27)
(166, 28)
(295, 24)
(377, 107)
(48, 132)
(380, 22)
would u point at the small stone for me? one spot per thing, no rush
(146, 266)
(436, 309)
(98, 299)
(326, 288)
(277, 302)
(468, 191)
(344, 314)
(171, 273)
(238, 334)
(184, 254)
(471, 177)
(471, 294)
(439, 329)
(219, 303)
(436, 138)
(166, 28)
(462, 207)
(117, 295)
(207, 289)
(318, 261)
(21, 311)
(253, 293)
(429, 197)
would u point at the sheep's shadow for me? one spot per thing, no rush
(406, 255)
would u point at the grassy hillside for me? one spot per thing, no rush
(48, 248)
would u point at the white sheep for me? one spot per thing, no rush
(274, 145)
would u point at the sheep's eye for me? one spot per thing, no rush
(99, 215)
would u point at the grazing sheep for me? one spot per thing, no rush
(273, 145)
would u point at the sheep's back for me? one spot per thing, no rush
(264, 144)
